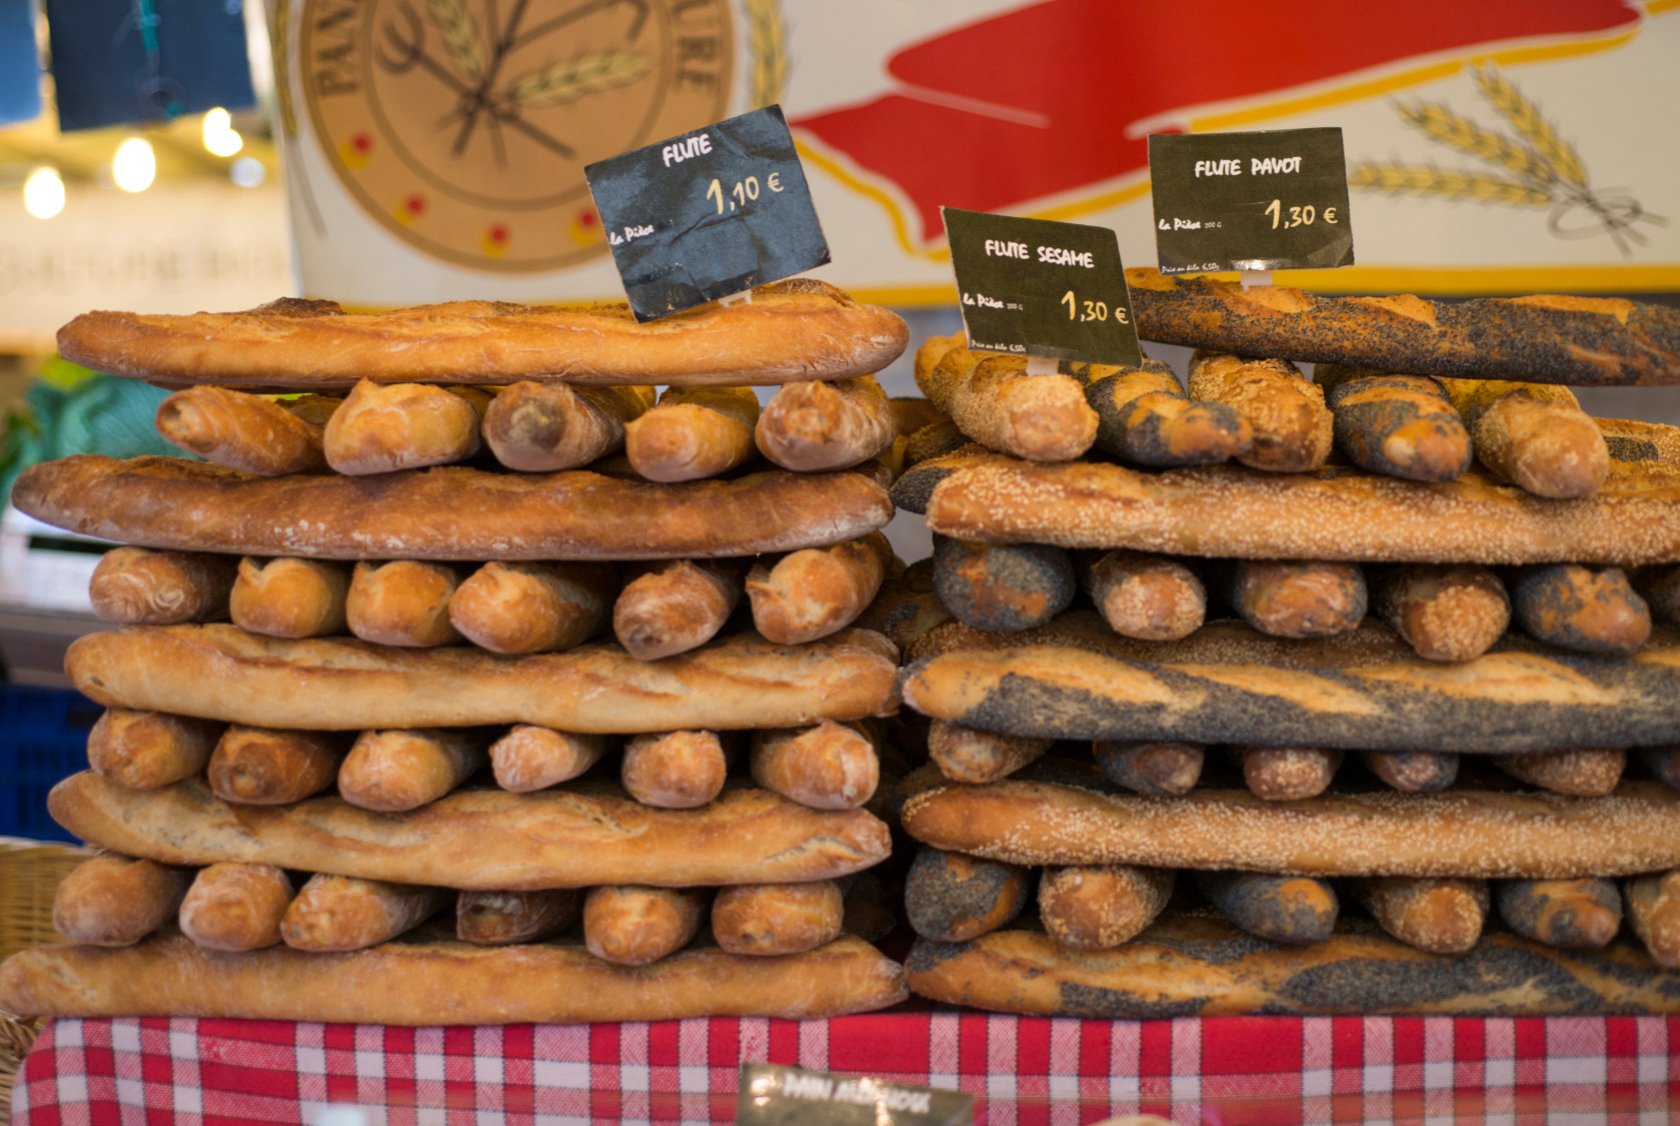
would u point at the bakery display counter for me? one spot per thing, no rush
(1225, 1070)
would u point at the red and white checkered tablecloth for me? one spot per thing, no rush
(1225, 1070)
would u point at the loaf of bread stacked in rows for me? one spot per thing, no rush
(1212, 666)
(465, 681)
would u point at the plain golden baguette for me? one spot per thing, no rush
(993, 400)
(116, 901)
(382, 428)
(332, 914)
(534, 758)
(1485, 706)
(1222, 511)
(236, 906)
(964, 754)
(1098, 907)
(576, 838)
(813, 426)
(134, 586)
(675, 769)
(632, 925)
(1288, 773)
(534, 607)
(1382, 833)
(1299, 598)
(423, 983)
(504, 918)
(1586, 609)
(1587, 772)
(458, 514)
(767, 920)
(1145, 418)
(145, 750)
(809, 594)
(692, 433)
(1442, 916)
(1160, 769)
(738, 682)
(404, 602)
(1399, 425)
(250, 433)
(1149, 597)
(1446, 612)
(1292, 427)
(1190, 966)
(793, 330)
(1575, 914)
(676, 606)
(1542, 338)
(1003, 587)
(829, 766)
(1538, 438)
(1653, 909)
(1414, 772)
(954, 897)
(545, 427)
(290, 597)
(264, 766)
(394, 771)
(1285, 909)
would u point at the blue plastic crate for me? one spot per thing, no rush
(43, 738)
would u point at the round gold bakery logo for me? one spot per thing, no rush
(464, 125)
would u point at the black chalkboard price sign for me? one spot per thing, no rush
(1036, 287)
(708, 214)
(1270, 200)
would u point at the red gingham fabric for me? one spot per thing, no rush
(1224, 1070)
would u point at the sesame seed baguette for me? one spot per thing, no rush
(1462, 833)
(1446, 612)
(1198, 966)
(450, 514)
(994, 401)
(742, 681)
(1442, 916)
(1587, 772)
(1536, 437)
(578, 837)
(793, 330)
(424, 982)
(1223, 511)
(1541, 338)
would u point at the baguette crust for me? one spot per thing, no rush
(1543, 338)
(1292, 427)
(1222, 511)
(534, 607)
(1445, 612)
(1588, 772)
(456, 514)
(384, 428)
(1442, 916)
(134, 586)
(116, 901)
(236, 906)
(1414, 772)
(633, 925)
(1574, 914)
(145, 750)
(288, 597)
(675, 606)
(1100, 907)
(1292, 909)
(1004, 588)
(692, 433)
(547, 840)
(792, 330)
(774, 919)
(1148, 597)
(811, 427)
(249, 433)
(445, 982)
(1460, 833)
(809, 594)
(504, 918)
(544, 427)
(337, 913)
(1158, 769)
(404, 602)
(1401, 425)
(534, 758)
(220, 672)
(994, 401)
(1184, 967)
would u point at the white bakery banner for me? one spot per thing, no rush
(435, 148)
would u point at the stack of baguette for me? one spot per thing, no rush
(1214, 669)
(432, 674)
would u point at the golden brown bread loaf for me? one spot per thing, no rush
(236, 906)
(337, 913)
(1288, 773)
(503, 918)
(775, 919)
(829, 766)
(530, 758)
(1414, 772)
(676, 606)
(741, 681)
(1401, 425)
(545, 427)
(1446, 612)
(1145, 418)
(964, 754)
(422, 983)
(1149, 597)
(1543, 338)
(404, 602)
(675, 769)
(1653, 908)
(534, 607)
(116, 901)
(1223, 511)
(1440, 915)
(289, 597)
(1098, 907)
(134, 586)
(396, 771)
(1292, 427)
(1299, 598)
(575, 838)
(250, 433)
(456, 514)
(1587, 772)
(792, 330)
(954, 897)
(993, 400)
(145, 750)
(264, 766)
(692, 433)
(1161, 769)
(634, 925)
(384, 428)
(1458, 833)
(811, 427)
(811, 593)
(1194, 966)
(1538, 438)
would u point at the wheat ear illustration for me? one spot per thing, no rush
(562, 82)
(1456, 131)
(767, 42)
(1463, 186)
(1526, 119)
(460, 36)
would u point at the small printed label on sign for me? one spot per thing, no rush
(771, 1094)
(1272, 200)
(1035, 287)
(708, 214)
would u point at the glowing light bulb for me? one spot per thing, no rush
(43, 193)
(220, 137)
(135, 165)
